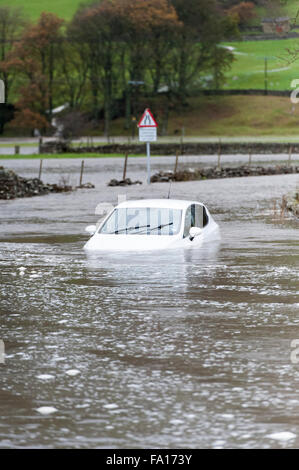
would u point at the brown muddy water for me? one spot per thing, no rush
(190, 349)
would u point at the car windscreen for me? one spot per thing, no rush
(143, 221)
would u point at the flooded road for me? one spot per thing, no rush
(190, 349)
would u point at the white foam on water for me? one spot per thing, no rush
(282, 436)
(176, 421)
(46, 410)
(72, 372)
(227, 416)
(110, 406)
(45, 377)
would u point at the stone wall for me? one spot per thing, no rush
(13, 186)
(193, 174)
(184, 149)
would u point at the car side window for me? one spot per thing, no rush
(189, 219)
(201, 216)
(196, 216)
(205, 217)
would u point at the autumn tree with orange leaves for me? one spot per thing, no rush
(149, 31)
(35, 58)
(123, 38)
(115, 53)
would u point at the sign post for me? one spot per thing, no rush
(148, 133)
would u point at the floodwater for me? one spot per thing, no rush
(190, 349)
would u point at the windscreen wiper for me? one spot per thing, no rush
(128, 228)
(159, 227)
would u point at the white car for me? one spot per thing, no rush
(153, 224)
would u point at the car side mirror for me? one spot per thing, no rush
(91, 229)
(194, 232)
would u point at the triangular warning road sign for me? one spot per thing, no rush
(147, 120)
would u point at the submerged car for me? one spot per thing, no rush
(153, 224)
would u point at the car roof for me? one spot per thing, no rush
(158, 203)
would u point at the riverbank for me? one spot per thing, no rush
(13, 186)
(192, 174)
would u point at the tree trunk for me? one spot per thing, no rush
(128, 107)
(183, 70)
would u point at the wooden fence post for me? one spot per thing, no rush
(125, 166)
(219, 154)
(81, 173)
(290, 155)
(182, 140)
(40, 169)
(176, 162)
(40, 143)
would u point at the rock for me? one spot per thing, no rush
(14, 186)
(86, 186)
(57, 146)
(126, 182)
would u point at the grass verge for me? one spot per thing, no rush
(46, 156)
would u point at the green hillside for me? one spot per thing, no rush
(248, 69)
(230, 116)
(33, 8)
(290, 8)
(66, 8)
(287, 8)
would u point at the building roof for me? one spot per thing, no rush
(275, 20)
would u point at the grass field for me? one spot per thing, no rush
(46, 156)
(248, 69)
(66, 8)
(290, 8)
(33, 8)
(242, 118)
(237, 116)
